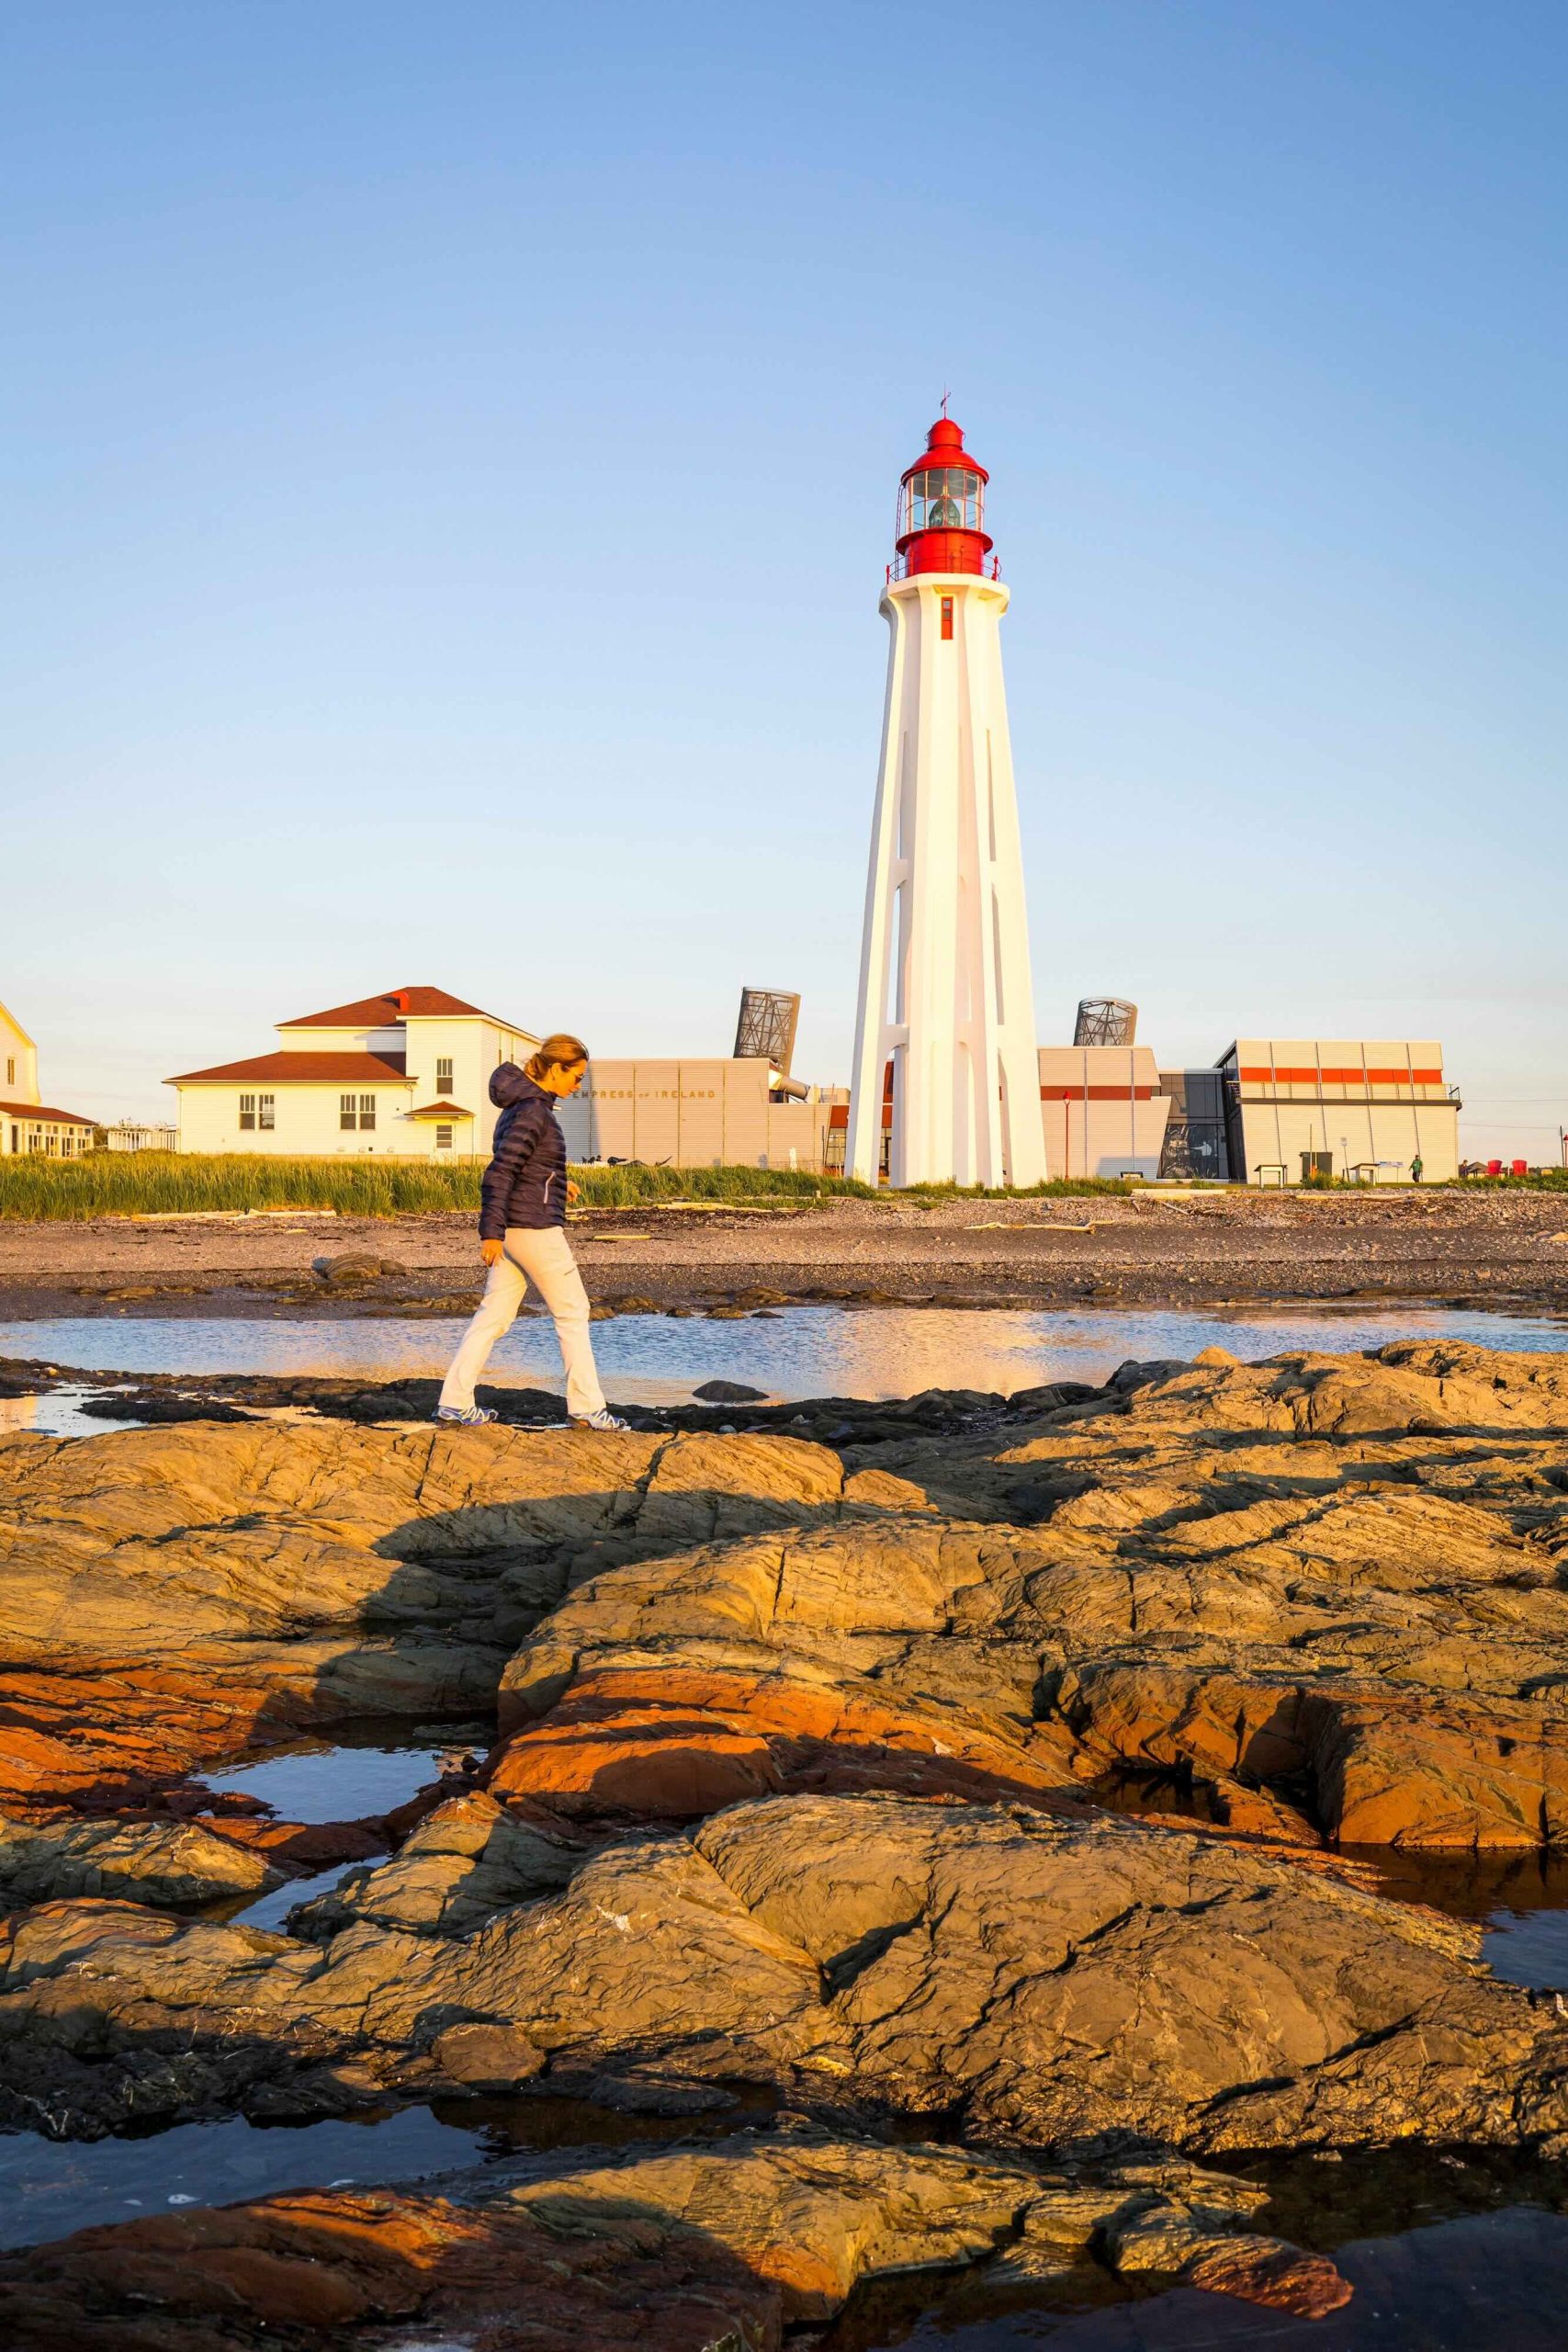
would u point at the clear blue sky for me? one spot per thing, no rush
(449, 455)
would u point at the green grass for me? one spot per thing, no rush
(153, 1184)
(1539, 1179)
(149, 1183)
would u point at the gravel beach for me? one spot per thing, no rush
(1195, 1248)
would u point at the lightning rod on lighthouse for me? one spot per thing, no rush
(945, 1058)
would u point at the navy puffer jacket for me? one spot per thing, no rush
(526, 1182)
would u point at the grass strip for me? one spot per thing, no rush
(165, 1183)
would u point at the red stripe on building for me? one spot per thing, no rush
(1260, 1074)
(1096, 1093)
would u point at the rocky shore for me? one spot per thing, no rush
(978, 1832)
(1478, 1245)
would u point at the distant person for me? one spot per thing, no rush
(522, 1238)
(1417, 1167)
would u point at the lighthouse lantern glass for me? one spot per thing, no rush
(941, 498)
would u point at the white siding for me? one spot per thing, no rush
(18, 1062)
(305, 1120)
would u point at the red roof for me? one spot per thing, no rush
(301, 1069)
(440, 1111)
(945, 446)
(397, 1004)
(41, 1112)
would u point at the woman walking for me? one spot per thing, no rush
(523, 1236)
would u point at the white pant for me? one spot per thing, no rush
(540, 1255)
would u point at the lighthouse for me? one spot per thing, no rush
(945, 1057)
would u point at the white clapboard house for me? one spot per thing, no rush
(406, 1074)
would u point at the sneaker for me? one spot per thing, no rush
(603, 1419)
(471, 1416)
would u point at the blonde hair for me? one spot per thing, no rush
(561, 1051)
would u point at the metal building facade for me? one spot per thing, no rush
(1102, 1110)
(1362, 1106)
(694, 1113)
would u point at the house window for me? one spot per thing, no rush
(947, 617)
(247, 1112)
(345, 1117)
(10, 1070)
(442, 1138)
(444, 1077)
(368, 1110)
(16, 1138)
(265, 1111)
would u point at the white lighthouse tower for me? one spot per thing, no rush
(945, 1059)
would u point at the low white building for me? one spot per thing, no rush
(1365, 1107)
(406, 1074)
(1103, 1110)
(139, 1135)
(27, 1124)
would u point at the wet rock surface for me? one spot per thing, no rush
(697, 2246)
(976, 1777)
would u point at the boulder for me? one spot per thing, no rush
(166, 1595)
(350, 1266)
(166, 1863)
(1049, 1980)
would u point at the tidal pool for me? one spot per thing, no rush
(327, 1780)
(1481, 2283)
(788, 1352)
(49, 2187)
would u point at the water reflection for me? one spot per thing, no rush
(57, 1413)
(1523, 1897)
(319, 1780)
(50, 2187)
(1487, 2282)
(797, 1352)
(1448, 2250)
(47, 2187)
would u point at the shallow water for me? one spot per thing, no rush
(1522, 1897)
(271, 1911)
(58, 1414)
(322, 1781)
(317, 1780)
(1482, 2283)
(1447, 2250)
(795, 1351)
(49, 2187)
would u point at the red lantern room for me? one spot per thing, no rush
(941, 508)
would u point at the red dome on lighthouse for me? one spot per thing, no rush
(941, 507)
